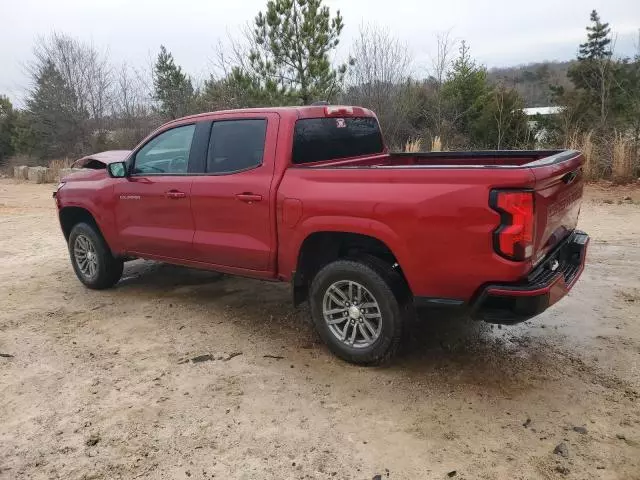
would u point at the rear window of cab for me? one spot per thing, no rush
(332, 138)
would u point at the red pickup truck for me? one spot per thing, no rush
(311, 195)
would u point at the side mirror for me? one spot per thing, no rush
(117, 170)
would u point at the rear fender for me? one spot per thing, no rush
(289, 251)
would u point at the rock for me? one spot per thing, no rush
(37, 174)
(527, 423)
(202, 358)
(275, 357)
(581, 430)
(627, 199)
(377, 477)
(6, 355)
(21, 172)
(92, 440)
(608, 202)
(562, 449)
(452, 473)
(620, 436)
(231, 355)
(562, 469)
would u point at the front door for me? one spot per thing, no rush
(153, 204)
(231, 204)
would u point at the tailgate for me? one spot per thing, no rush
(558, 195)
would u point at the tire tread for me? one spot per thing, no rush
(109, 268)
(379, 280)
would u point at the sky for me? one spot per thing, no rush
(499, 32)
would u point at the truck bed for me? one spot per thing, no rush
(483, 158)
(443, 217)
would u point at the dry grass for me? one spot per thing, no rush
(56, 165)
(622, 161)
(584, 143)
(413, 145)
(436, 144)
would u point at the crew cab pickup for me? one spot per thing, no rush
(312, 196)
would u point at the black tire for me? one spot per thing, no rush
(108, 269)
(379, 282)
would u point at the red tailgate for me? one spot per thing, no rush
(558, 196)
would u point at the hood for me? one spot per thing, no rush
(100, 160)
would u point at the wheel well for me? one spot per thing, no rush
(322, 248)
(71, 216)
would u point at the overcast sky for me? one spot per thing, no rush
(500, 32)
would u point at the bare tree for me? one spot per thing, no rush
(99, 80)
(499, 114)
(85, 70)
(233, 52)
(132, 107)
(440, 67)
(131, 96)
(378, 78)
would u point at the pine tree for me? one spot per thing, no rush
(594, 76)
(55, 123)
(501, 122)
(290, 60)
(597, 46)
(7, 128)
(465, 87)
(173, 88)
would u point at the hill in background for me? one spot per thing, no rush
(532, 80)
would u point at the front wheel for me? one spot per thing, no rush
(91, 258)
(356, 312)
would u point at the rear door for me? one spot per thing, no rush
(558, 197)
(153, 204)
(230, 201)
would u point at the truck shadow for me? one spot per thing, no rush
(445, 350)
(140, 273)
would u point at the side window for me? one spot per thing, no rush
(236, 145)
(166, 153)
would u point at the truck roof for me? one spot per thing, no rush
(308, 111)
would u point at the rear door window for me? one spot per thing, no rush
(236, 145)
(319, 139)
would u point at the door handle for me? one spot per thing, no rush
(248, 197)
(175, 194)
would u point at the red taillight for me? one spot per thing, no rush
(514, 238)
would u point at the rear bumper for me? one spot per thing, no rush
(543, 287)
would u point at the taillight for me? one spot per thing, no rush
(514, 238)
(333, 110)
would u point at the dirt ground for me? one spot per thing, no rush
(94, 385)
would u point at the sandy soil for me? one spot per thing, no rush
(100, 385)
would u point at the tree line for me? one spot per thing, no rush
(79, 101)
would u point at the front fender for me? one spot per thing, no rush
(97, 199)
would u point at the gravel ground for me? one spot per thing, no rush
(178, 374)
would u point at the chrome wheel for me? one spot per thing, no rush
(352, 314)
(85, 256)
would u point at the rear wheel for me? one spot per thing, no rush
(91, 258)
(356, 312)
